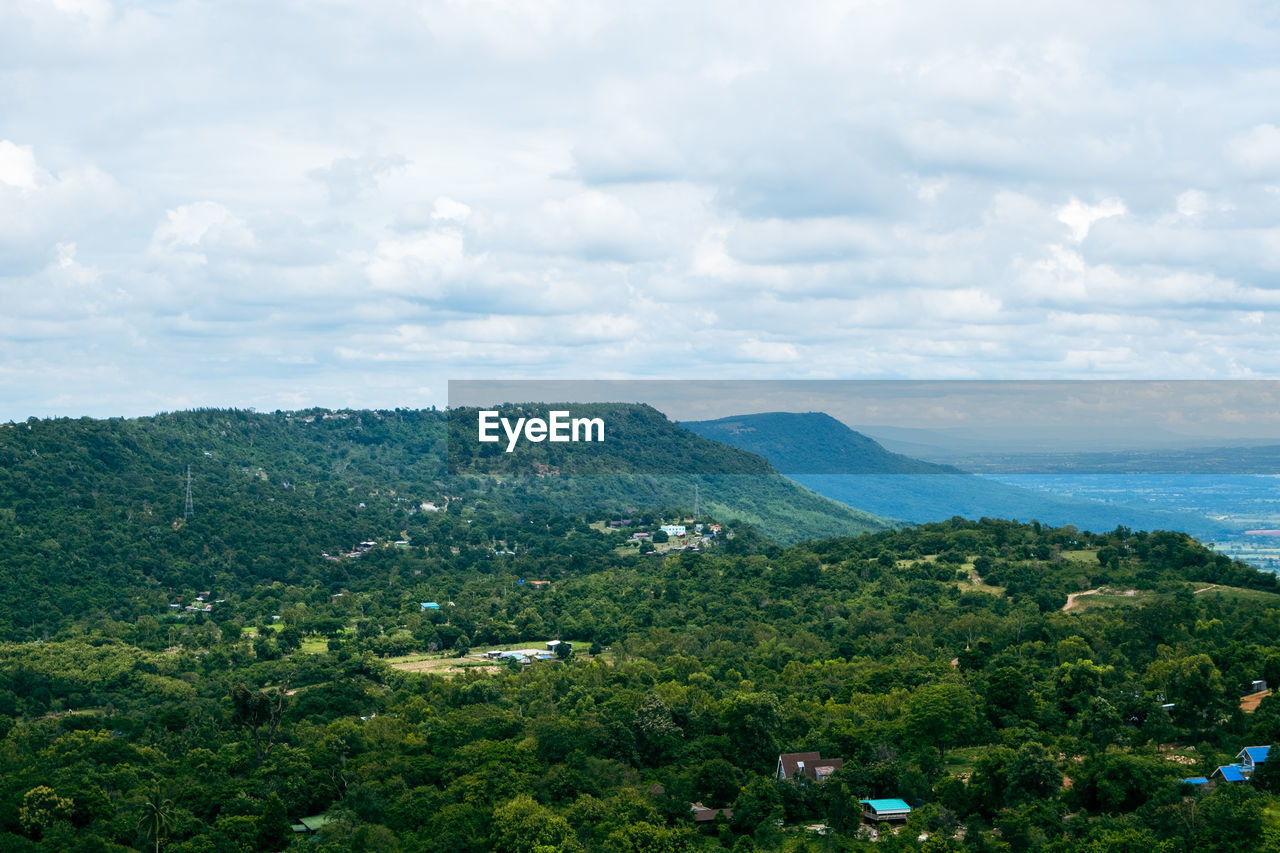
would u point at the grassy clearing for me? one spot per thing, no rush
(445, 666)
(1087, 557)
(579, 650)
(961, 760)
(445, 663)
(1235, 593)
(974, 583)
(1110, 598)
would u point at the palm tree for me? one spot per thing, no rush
(157, 813)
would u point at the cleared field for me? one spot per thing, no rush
(1235, 593)
(314, 646)
(1109, 597)
(444, 666)
(1250, 703)
(447, 664)
(1114, 597)
(975, 582)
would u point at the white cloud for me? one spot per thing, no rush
(192, 231)
(448, 209)
(421, 265)
(18, 167)
(1258, 151)
(39, 208)
(1079, 217)
(96, 11)
(366, 197)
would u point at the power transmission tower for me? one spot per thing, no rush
(695, 503)
(189, 509)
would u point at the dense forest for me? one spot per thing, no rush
(288, 669)
(93, 522)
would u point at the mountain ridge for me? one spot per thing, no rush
(92, 518)
(897, 486)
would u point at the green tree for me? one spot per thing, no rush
(1230, 819)
(157, 814)
(941, 715)
(750, 720)
(1115, 781)
(757, 804)
(259, 713)
(41, 808)
(523, 826)
(1194, 685)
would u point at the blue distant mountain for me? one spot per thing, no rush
(825, 455)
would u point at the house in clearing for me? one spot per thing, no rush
(1229, 773)
(1247, 760)
(1251, 756)
(311, 825)
(811, 765)
(703, 814)
(885, 810)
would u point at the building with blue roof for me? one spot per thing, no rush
(1230, 773)
(1251, 755)
(1195, 781)
(886, 809)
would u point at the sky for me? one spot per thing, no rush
(290, 203)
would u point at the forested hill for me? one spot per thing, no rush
(810, 443)
(824, 455)
(937, 663)
(92, 515)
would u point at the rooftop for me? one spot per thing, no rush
(888, 805)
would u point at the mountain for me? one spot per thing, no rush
(811, 443)
(93, 520)
(825, 455)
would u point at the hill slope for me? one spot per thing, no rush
(811, 443)
(823, 454)
(92, 511)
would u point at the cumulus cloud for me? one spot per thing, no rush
(1079, 217)
(366, 198)
(18, 167)
(40, 208)
(420, 265)
(349, 178)
(190, 233)
(1258, 151)
(447, 209)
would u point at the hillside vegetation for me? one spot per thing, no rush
(937, 662)
(321, 641)
(93, 523)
